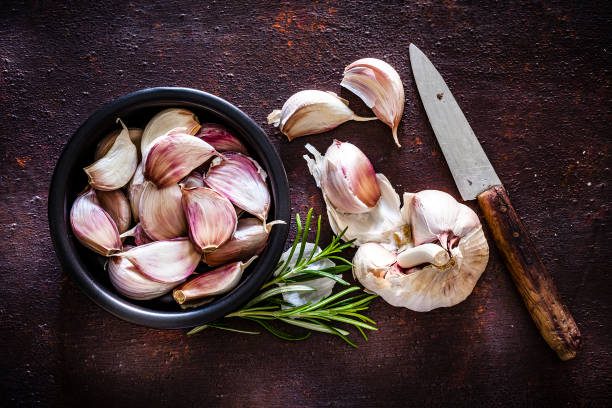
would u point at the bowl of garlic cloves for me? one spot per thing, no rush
(169, 207)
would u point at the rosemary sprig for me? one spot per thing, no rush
(344, 307)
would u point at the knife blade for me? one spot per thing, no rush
(476, 179)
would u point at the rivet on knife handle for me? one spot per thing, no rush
(532, 280)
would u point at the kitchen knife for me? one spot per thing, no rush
(476, 179)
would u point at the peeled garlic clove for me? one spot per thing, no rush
(193, 179)
(249, 239)
(132, 284)
(107, 142)
(322, 286)
(164, 122)
(348, 179)
(117, 206)
(211, 217)
(93, 226)
(116, 168)
(161, 212)
(379, 86)
(436, 215)
(215, 282)
(135, 187)
(173, 156)
(220, 138)
(168, 261)
(382, 223)
(310, 112)
(140, 236)
(242, 181)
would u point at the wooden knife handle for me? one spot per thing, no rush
(530, 276)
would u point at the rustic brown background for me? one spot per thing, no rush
(534, 82)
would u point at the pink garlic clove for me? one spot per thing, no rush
(161, 213)
(220, 138)
(117, 206)
(132, 284)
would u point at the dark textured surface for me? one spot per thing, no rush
(534, 82)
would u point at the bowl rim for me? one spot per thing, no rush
(59, 209)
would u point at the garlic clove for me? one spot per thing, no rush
(174, 156)
(168, 261)
(117, 206)
(115, 169)
(382, 223)
(311, 111)
(164, 122)
(107, 142)
(242, 181)
(93, 226)
(436, 215)
(215, 282)
(210, 216)
(322, 286)
(220, 138)
(249, 239)
(423, 254)
(135, 187)
(139, 235)
(348, 178)
(132, 284)
(161, 212)
(193, 179)
(380, 88)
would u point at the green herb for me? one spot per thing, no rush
(344, 307)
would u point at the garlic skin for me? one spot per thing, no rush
(221, 138)
(173, 156)
(164, 122)
(436, 215)
(107, 142)
(215, 282)
(134, 189)
(249, 239)
(161, 212)
(210, 216)
(379, 86)
(348, 179)
(139, 235)
(115, 169)
(382, 223)
(117, 206)
(93, 226)
(310, 112)
(169, 261)
(132, 284)
(242, 181)
(193, 179)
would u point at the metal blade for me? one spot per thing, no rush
(468, 163)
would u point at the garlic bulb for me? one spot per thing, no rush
(242, 181)
(211, 217)
(382, 223)
(134, 189)
(220, 138)
(161, 212)
(310, 112)
(132, 284)
(215, 282)
(117, 206)
(164, 122)
(379, 86)
(173, 156)
(168, 261)
(93, 226)
(107, 142)
(139, 234)
(249, 239)
(322, 286)
(115, 169)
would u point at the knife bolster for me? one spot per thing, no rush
(529, 274)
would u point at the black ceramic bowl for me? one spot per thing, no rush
(87, 268)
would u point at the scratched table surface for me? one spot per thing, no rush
(532, 79)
